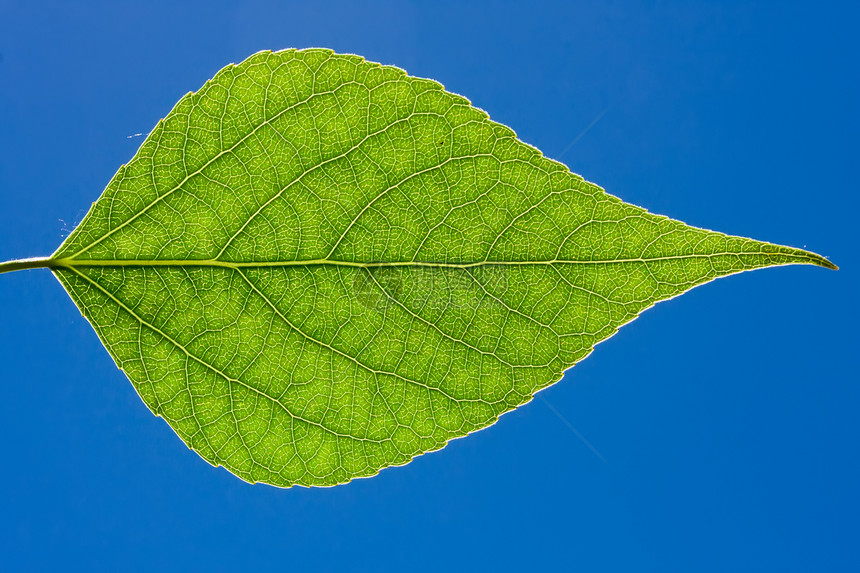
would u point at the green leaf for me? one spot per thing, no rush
(317, 267)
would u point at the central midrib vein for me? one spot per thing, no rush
(71, 263)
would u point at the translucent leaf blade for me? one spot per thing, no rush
(317, 267)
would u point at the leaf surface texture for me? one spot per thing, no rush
(316, 267)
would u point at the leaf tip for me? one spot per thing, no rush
(820, 261)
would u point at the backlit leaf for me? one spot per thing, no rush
(316, 267)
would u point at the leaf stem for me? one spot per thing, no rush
(23, 264)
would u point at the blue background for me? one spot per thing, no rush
(728, 417)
